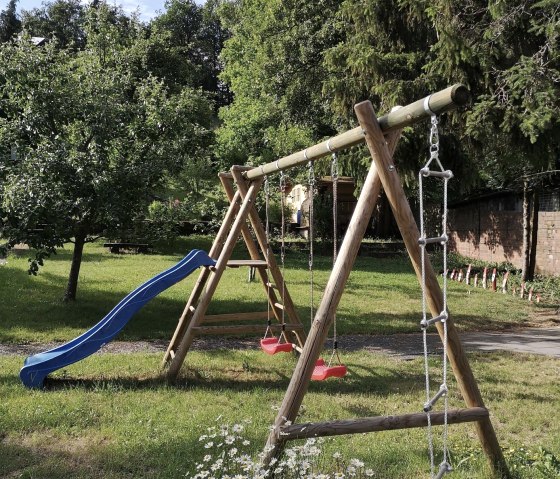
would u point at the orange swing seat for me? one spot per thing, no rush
(273, 346)
(322, 371)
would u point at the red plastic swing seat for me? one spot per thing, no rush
(322, 371)
(273, 346)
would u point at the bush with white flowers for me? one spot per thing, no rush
(227, 458)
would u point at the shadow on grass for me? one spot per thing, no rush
(379, 381)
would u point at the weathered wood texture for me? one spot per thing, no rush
(213, 281)
(297, 336)
(244, 329)
(441, 101)
(231, 317)
(227, 184)
(203, 276)
(392, 186)
(325, 312)
(380, 423)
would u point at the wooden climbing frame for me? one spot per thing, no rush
(193, 322)
(381, 136)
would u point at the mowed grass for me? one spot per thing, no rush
(382, 295)
(114, 416)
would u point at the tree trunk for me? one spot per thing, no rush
(534, 236)
(70, 294)
(525, 252)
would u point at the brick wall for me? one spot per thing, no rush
(548, 247)
(496, 236)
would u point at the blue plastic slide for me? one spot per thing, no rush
(37, 367)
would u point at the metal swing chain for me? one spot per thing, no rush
(334, 178)
(267, 235)
(311, 197)
(283, 183)
(444, 467)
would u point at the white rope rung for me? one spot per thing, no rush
(444, 468)
(430, 404)
(428, 322)
(448, 174)
(440, 239)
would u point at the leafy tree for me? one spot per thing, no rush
(274, 66)
(85, 142)
(297, 68)
(60, 20)
(190, 41)
(10, 24)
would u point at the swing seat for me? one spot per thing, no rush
(273, 346)
(322, 371)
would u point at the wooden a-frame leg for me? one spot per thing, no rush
(392, 186)
(215, 250)
(214, 279)
(274, 270)
(325, 312)
(227, 183)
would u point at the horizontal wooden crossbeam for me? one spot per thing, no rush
(380, 423)
(452, 97)
(255, 263)
(244, 329)
(232, 317)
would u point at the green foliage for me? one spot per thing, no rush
(10, 24)
(301, 66)
(186, 41)
(85, 139)
(274, 66)
(533, 462)
(61, 21)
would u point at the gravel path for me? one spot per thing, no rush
(545, 341)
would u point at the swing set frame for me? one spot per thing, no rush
(381, 136)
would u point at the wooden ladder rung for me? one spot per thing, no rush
(192, 309)
(172, 354)
(243, 329)
(231, 317)
(279, 305)
(271, 285)
(255, 263)
(380, 423)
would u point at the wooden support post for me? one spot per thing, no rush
(381, 423)
(202, 278)
(297, 337)
(227, 184)
(382, 158)
(212, 284)
(325, 312)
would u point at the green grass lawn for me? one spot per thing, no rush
(382, 295)
(113, 415)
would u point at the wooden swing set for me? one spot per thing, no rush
(381, 136)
